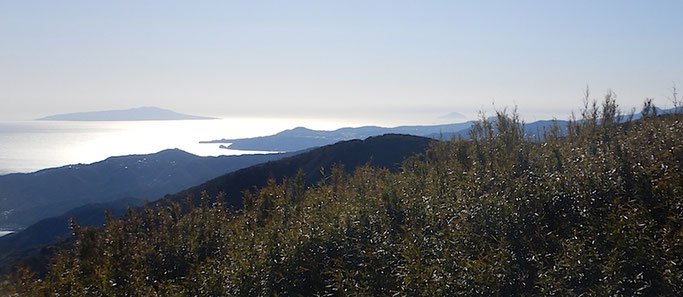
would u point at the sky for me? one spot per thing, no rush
(392, 61)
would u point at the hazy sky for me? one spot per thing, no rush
(374, 59)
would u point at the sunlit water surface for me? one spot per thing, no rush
(33, 145)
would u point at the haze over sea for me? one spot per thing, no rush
(28, 146)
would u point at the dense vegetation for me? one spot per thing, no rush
(595, 211)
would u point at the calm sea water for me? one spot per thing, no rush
(33, 145)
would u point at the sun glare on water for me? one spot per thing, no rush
(34, 145)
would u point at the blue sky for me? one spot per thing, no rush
(361, 59)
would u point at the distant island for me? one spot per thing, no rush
(133, 114)
(453, 116)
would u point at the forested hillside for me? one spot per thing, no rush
(32, 246)
(26, 198)
(597, 211)
(386, 151)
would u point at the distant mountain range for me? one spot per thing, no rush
(301, 138)
(26, 198)
(133, 114)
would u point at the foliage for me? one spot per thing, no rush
(595, 212)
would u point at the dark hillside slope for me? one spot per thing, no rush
(29, 243)
(387, 151)
(26, 198)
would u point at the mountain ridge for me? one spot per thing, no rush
(300, 137)
(385, 151)
(26, 198)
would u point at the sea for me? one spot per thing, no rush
(29, 146)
